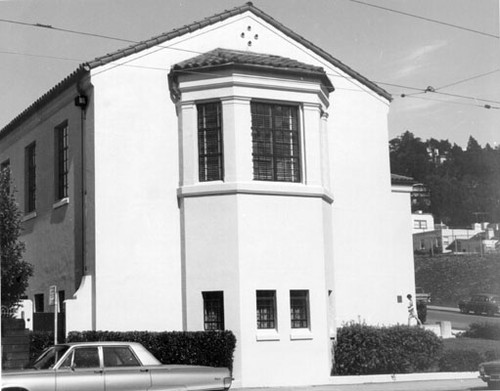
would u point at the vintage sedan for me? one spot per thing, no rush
(488, 303)
(490, 373)
(111, 366)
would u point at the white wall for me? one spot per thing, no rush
(243, 242)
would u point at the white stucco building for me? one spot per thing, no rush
(217, 176)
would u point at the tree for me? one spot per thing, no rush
(15, 271)
(462, 184)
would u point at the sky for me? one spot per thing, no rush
(440, 59)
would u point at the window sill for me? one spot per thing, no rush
(267, 335)
(29, 216)
(255, 188)
(61, 202)
(301, 334)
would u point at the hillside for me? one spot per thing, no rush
(450, 278)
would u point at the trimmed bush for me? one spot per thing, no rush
(39, 341)
(483, 331)
(210, 348)
(460, 360)
(363, 350)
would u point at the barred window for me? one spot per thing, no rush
(30, 178)
(61, 175)
(299, 309)
(275, 142)
(266, 310)
(213, 309)
(210, 147)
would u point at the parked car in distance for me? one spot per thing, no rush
(420, 295)
(111, 366)
(490, 373)
(488, 303)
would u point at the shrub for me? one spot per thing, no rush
(39, 341)
(460, 360)
(483, 330)
(210, 348)
(363, 349)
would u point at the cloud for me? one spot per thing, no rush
(416, 59)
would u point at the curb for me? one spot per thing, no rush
(444, 309)
(367, 379)
(402, 377)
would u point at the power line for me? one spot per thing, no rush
(468, 79)
(427, 19)
(486, 106)
(50, 27)
(40, 56)
(159, 47)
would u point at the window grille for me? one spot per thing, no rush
(30, 183)
(213, 308)
(299, 309)
(266, 309)
(61, 134)
(210, 146)
(275, 142)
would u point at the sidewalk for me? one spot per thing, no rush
(402, 382)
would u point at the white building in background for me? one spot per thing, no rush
(224, 192)
(422, 222)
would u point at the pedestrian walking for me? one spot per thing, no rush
(412, 313)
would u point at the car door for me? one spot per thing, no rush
(123, 371)
(475, 304)
(81, 371)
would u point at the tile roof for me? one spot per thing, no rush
(84, 68)
(224, 57)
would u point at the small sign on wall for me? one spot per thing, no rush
(52, 295)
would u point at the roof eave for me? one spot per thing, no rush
(252, 67)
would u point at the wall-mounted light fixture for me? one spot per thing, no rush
(81, 101)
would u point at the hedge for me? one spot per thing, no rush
(39, 341)
(210, 348)
(363, 350)
(483, 330)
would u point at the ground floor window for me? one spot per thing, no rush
(213, 310)
(266, 310)
(299, 309)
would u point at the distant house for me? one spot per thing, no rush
(214, 177)
(485, 242)
(480, 238)
(422, 222)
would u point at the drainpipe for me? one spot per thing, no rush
(81, 101)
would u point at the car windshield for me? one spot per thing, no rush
(49, 357)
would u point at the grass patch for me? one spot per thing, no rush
(449, 278)
(486, 347)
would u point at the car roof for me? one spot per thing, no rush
(98, 343)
